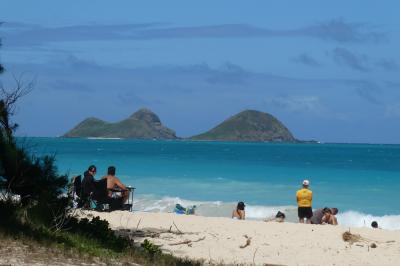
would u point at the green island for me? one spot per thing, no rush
(248, 125)
(143, 124)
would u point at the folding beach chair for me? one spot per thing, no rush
(103, 202)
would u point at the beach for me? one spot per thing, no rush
(223, 240)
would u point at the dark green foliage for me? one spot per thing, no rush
(99, 230)
(150, 248)
(35, 180)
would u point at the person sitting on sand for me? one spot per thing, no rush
(329, 217)
(304, 202)
(319, 213)
(87, 186)
(239, 212)
(114, 183)
(279, 217)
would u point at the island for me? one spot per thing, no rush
(249, 125)
(143, 124)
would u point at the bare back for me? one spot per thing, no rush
(113, 181)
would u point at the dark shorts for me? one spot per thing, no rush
(305, 212)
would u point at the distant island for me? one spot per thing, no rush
(249, 125)
(143, 124)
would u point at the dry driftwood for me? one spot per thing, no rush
(187, 241)
(179, 231)
(248, 241)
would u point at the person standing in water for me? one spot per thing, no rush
(304, 202)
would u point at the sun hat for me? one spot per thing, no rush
(306, 182)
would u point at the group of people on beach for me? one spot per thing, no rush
(304, 211)
(113, 183)
(303, 196)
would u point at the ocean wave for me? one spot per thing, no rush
(151, 203)
(359, 219)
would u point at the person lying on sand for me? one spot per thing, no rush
(279, 217)
(114, 183)
(239, 213)
(328, 217)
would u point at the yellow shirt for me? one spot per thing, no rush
(304, 197)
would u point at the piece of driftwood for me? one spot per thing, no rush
(187, 242)
(248, 241)
(179, 231)
(137, 226)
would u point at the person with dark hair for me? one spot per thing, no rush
(374, 225)
(88, 185)
(279, 217)
(319, 213)
(114, 183)
(329, 217)
(304, 202)
(239, 213)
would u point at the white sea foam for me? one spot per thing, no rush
(102, 138)
(150, 203)
(358, 219)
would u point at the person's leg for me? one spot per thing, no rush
(125, 196)
(300, 215)
(309, 214)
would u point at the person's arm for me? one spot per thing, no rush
(323, 220)
(242, 215)
(119, 184)
(334, 220)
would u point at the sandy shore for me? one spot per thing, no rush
(223, 240)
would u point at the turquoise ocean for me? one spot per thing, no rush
(362, 180)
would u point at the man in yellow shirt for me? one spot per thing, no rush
(304, 202)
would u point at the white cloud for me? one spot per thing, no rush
(297, 103)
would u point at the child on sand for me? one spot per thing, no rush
(239, 212)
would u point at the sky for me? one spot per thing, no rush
(328, 70)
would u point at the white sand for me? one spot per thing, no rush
(270, 243)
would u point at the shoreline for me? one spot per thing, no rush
(228, 241)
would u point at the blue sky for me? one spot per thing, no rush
(328, 71)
